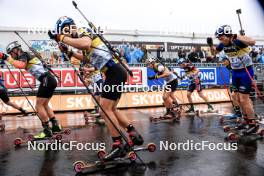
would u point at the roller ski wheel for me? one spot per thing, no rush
(78, 166)
(226, 129)
(101, 154)
(132, 156)
(261, 132)
(64, 132)
(151, 147)
(18, 142)
(58, 137)
(67, 132)
(30, 137)
(232, 137)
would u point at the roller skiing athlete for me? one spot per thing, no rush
(236, 47)
(95, 78)
(192, 73)
(169, 98)
(90, 75)
(234, 94)
(98, 54)
(5, 98)
(24, 60)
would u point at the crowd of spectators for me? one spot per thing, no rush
(134, 54)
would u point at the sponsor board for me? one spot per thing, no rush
(128, 100)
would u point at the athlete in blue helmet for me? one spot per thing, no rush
(236, 47)
(98, 55)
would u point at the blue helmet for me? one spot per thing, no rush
(223, 30)
(62, 22)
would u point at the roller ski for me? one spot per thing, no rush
(117, 157)
(190, 110)
(251, 134)
(93, 118)
(25, 113)
(45, 136)
(210, 110)
(57, 130)
(231, 118)
(240, 125)
(170, 116)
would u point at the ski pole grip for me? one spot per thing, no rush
(74, 4)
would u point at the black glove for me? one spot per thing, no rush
(54, 36)
(242, 32)
(152, 77)
(3, 56)
(209, 41)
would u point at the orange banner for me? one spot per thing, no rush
(128, 100)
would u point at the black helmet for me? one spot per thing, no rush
(223, 30)
(12, 46)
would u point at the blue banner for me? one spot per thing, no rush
(208, 75)
(154, 82)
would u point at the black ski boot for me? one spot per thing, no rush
(135, 137)
(23, 111)
(56, 127)
(191, 110)
(118, 150)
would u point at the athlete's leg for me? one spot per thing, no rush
(4, 97)
(108, 106)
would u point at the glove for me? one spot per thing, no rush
(3, 56)
(242, 32)
(64, 48)
(152, 77)
(54, 36)
(209, 41)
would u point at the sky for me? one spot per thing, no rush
(187, 16)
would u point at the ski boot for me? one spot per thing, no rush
(23, 111)
(210, 108)
(95, 111)
(44, 134)
(56, 127)
(191, 110)
(135, 138)
(117, 151)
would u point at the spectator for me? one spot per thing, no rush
(260, 58)
(182, 53)
(193, 56)
(145, 51)
(253, 54)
